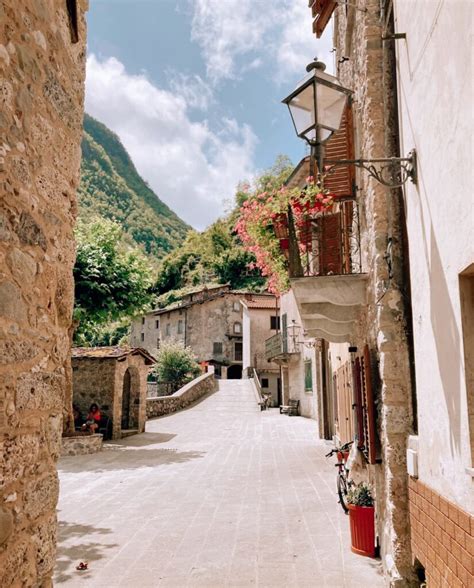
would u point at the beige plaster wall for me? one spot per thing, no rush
(41, 107)
(436, 116)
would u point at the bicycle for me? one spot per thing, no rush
(343, 481)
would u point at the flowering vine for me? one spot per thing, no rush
(260, 218)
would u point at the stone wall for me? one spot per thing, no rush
(81, 444)
(41, 109)
(156, 407)
(369, 73)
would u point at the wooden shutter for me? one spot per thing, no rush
(330, 246)
(340, 180)
(365, 406)
(344, 420)
(322, 11)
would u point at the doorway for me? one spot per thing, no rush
(234, 372)
(125, 423)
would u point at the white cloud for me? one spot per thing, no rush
(195, 91)
(231, 33)
(190, 166)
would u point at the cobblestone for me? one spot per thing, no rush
(217, 495)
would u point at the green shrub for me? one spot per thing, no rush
(176, 365)
(360, 495)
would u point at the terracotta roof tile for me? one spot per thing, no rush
(109, 352)
(262, 302)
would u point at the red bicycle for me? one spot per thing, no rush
(343, 481)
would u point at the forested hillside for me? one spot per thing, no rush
(112, 188)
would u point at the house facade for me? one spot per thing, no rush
(260, 320)
(386, 284)
(208, 320)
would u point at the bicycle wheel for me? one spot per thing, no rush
(342, 491)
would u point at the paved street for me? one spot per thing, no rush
(216, 495)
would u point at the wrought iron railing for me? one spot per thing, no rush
(325, 243)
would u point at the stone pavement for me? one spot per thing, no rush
(217, 495)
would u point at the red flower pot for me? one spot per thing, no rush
(362, 520)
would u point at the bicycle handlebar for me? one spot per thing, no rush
(344, 447)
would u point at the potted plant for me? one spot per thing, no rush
(360, 502)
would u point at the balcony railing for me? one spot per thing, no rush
(325, 243)
(279, 347)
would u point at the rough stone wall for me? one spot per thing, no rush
(156, 407)
(81, 445)
(41, 107)
(358, 35)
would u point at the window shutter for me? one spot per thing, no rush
(357, 378)
(340, 181)
(322, 11)
(368, 407)
(330, 246)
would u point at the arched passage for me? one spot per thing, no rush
(234, 372)
(130, 399)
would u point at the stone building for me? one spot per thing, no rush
(42, 65)
(260, 320)
(295, 354)
(115, 378)
(208, 320)
(401, 387)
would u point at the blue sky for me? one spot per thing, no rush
(193, 88)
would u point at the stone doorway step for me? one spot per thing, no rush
(128, 432)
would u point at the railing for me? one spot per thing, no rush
(280, 346)
(325, 243)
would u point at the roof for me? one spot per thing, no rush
(298, 176)
(262, 303)
(110, 353)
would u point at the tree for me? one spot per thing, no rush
(112, 280)
(176, 365)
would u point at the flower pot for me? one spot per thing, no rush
(362, 521)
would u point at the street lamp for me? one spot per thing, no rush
(316, 107)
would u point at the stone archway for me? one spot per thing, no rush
(234, 372)
(130, 399)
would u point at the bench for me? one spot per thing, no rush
(291, 409)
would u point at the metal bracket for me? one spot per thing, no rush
(392, 172)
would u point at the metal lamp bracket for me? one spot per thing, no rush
(392, 172)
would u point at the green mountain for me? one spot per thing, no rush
(112, 188)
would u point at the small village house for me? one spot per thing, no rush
(115, 378)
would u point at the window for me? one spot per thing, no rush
(180, 327)
(237, 328)
(274, 323)
(236, 306)
(158, 343)
(238, 351)
(217, 348)
(71, 6)
(168, 330)
(308, 376)
(264, 382)
(143, 320)
(157, 324)
(143, 337)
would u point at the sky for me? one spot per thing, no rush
(193, 89)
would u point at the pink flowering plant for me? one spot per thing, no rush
(262, 213)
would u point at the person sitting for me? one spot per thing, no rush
(93, 419)
(78, 420)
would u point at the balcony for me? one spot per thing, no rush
(279, 350)
(325, 269)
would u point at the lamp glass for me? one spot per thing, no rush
(330, 103)
(302, 110)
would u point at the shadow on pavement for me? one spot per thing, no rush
(69, 557)
(121, 457)
(142, 439)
